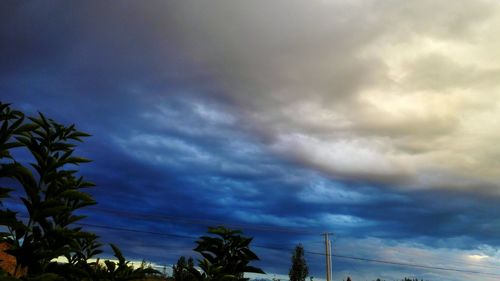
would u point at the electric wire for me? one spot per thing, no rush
(205, 222)
(195, 221)
(413, 265)
(242, 226)
(272, 248)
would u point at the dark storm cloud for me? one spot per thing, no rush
(190, 105)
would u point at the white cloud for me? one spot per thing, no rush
(378, 90)
(476, 260)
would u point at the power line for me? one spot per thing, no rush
(409, 264)
(387, 262)
(208, 222)
(135, 230)
(316, 253)
(287, 249)
(205, 222)
(154, 217)
(195, 221)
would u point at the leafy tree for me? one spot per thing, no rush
(52, 192)
(299, 269)
(11, 126)
(182, 271)
(226, 256)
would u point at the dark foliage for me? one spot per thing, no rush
(299, 269)
(226, 256)
(51, 192)
(183, 271)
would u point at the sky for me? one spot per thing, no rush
(374, 120)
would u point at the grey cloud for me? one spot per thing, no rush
(272, 60)
(437, 72)
(444, 19)
(249, 104)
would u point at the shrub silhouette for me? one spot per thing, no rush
(226, 256)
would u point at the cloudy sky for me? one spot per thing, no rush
(375, 120)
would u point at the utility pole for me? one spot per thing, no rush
(328, 256)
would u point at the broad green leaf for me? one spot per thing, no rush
(26, 128)
(76, 195)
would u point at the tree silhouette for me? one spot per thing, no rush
(225, 257)
(299, 269)
(51, 192)
(182, 271)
